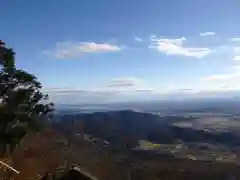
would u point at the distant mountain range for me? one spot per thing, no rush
(127, 127)
(201, 105)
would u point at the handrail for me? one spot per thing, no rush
(9, 167)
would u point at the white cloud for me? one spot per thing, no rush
(75, 49)
(175, 47)
(114, 85)
(223, 49)
(118, 89)
(177, 41)
(235, 39)
(129, 89)
(236, 50)
(124, 82)
(225, 80)
(138, 39)
(220, 77)
(208, 34)
(153, 36)
(236, 58)
(91, 47)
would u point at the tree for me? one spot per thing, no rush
(23, 107)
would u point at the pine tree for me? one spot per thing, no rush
(23, 107)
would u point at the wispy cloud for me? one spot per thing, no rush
(235, 39)
(91, 47)
(101, 95)
(82, 92)
(138, 39)
(236, 50)
(236, 58)
(124, 82)
(207, 34)
(114, 85)
(175, 47)
(116, 89)
(81, 95)
(220, 77)
(75, 49)
(224, 80)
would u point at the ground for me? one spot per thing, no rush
(50, 151)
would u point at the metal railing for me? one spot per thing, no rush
(7, 172)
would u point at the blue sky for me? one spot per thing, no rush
(92, 51)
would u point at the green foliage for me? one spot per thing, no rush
(22, 107)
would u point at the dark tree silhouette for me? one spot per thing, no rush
(23, 108)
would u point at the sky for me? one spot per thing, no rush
(110, 50)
